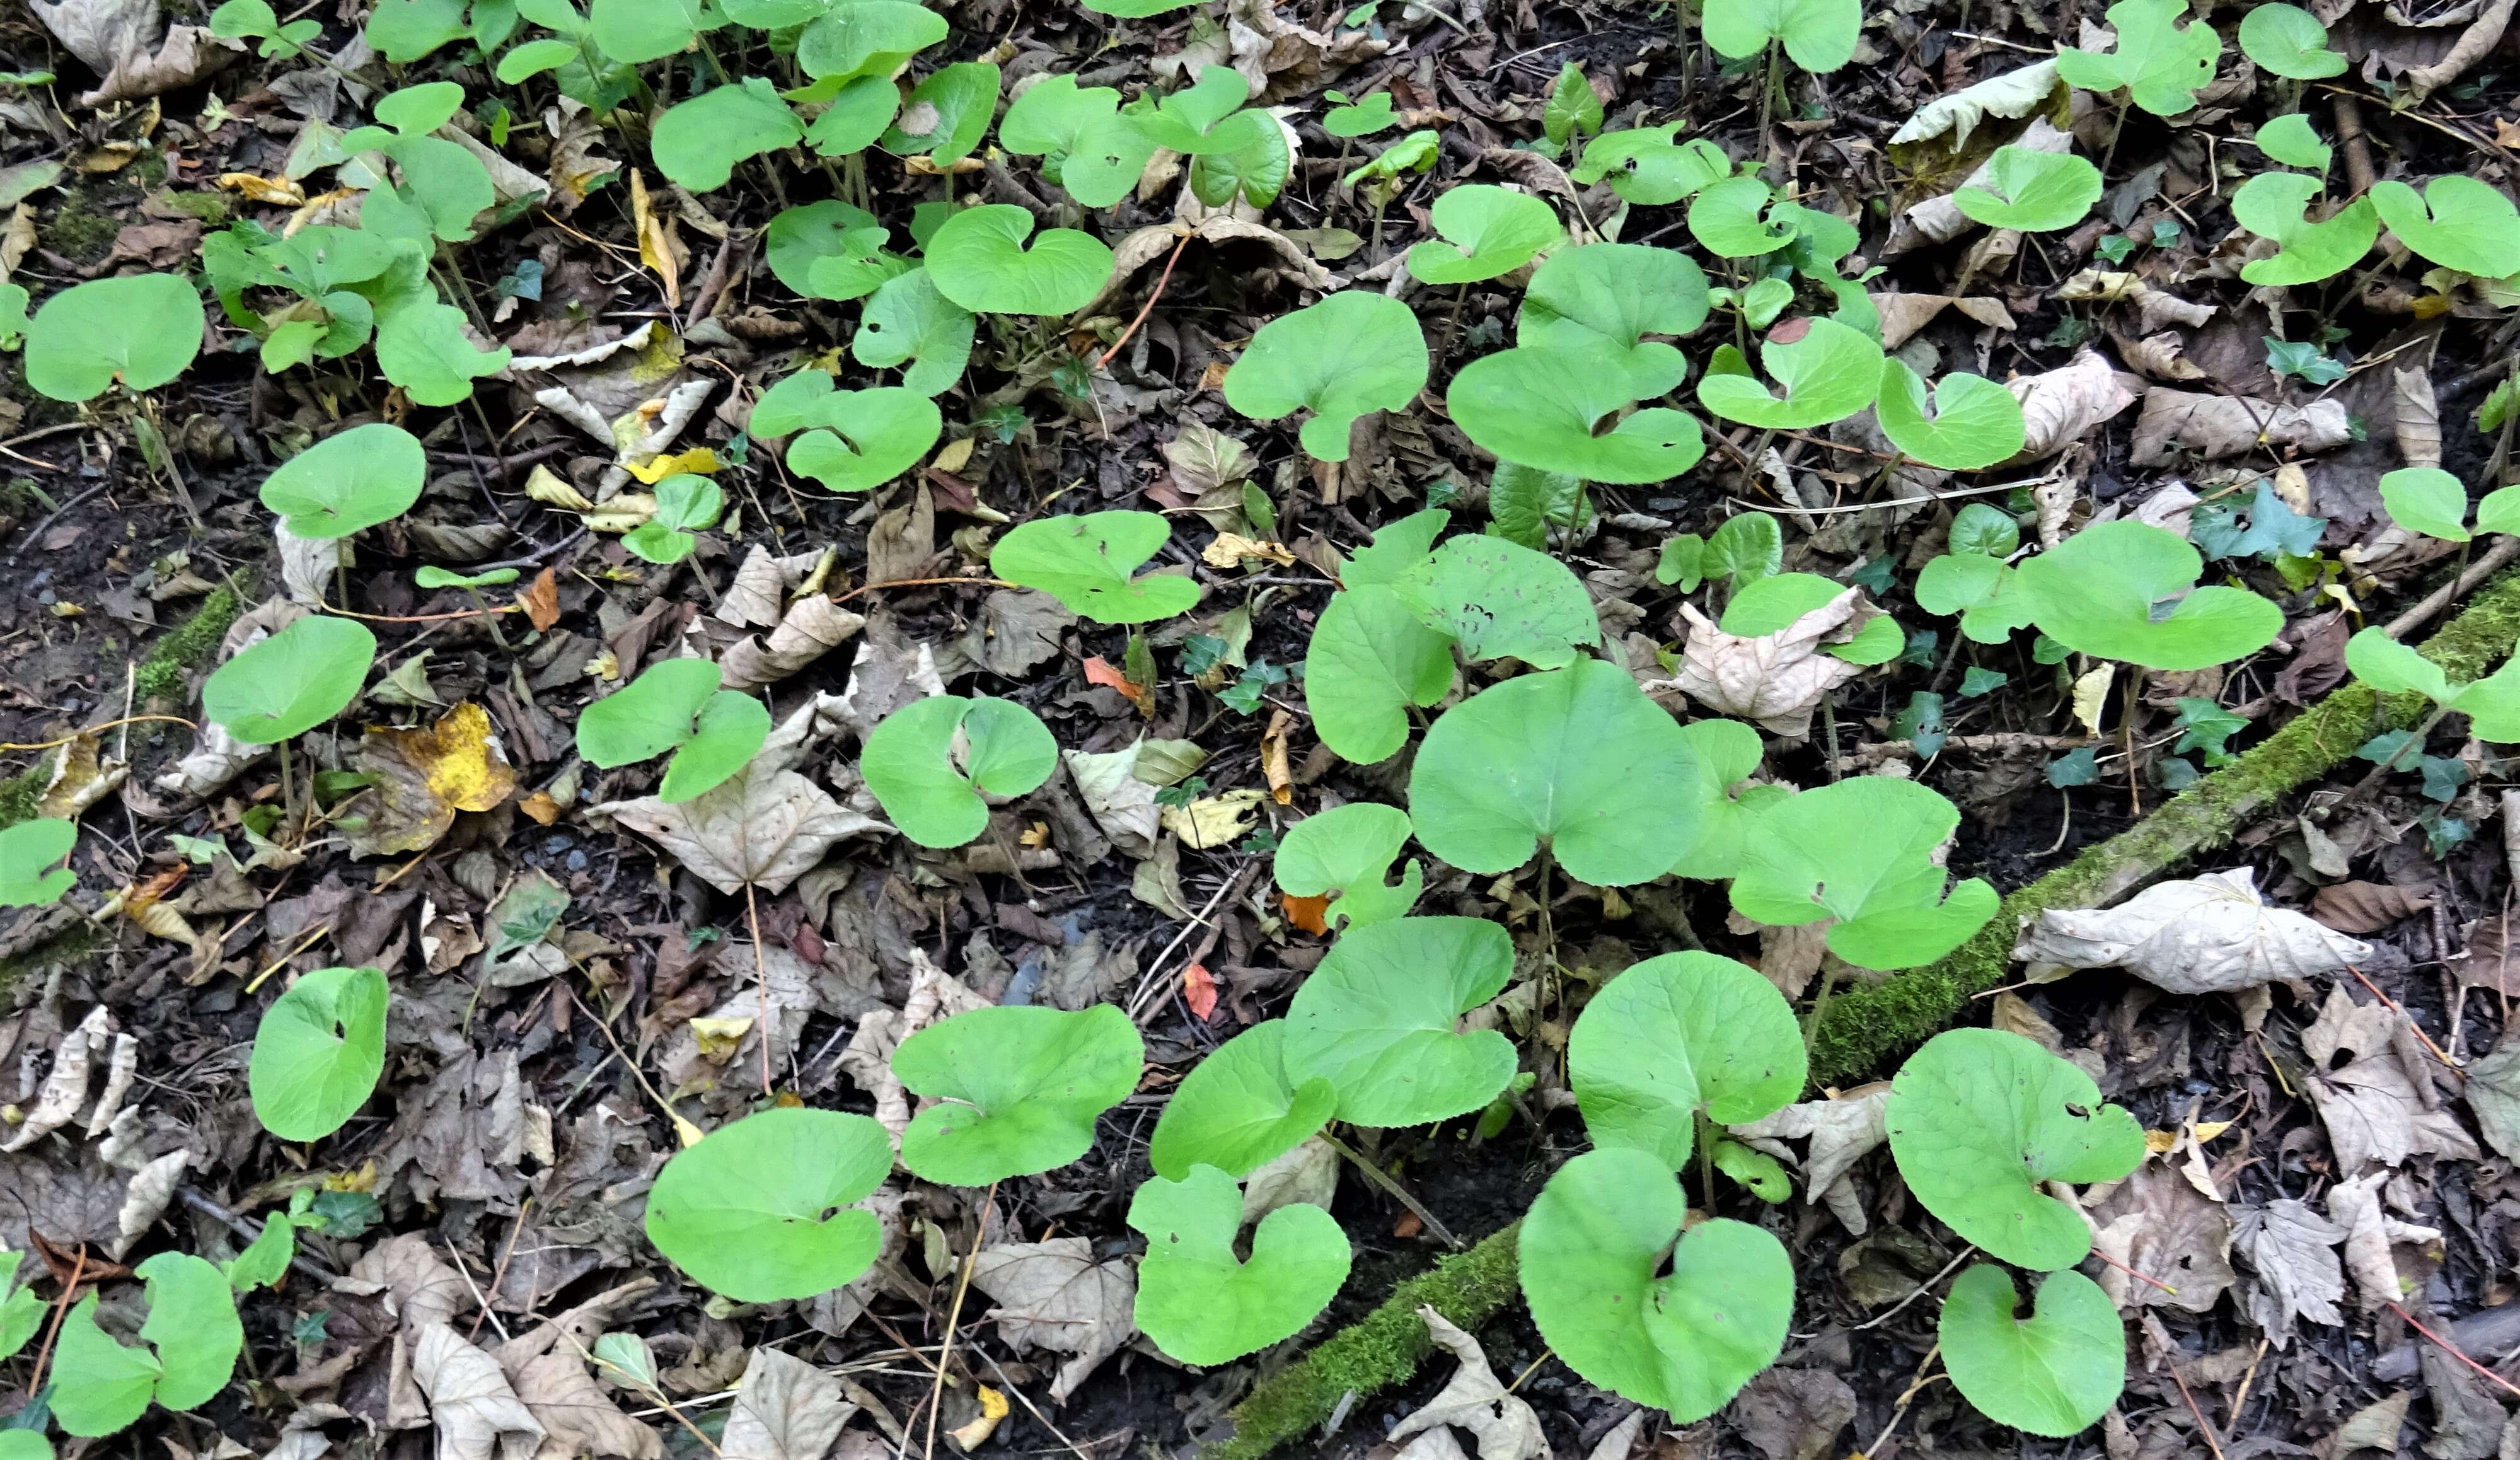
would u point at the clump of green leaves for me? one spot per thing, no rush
(1824, 371)
(934, 762)
(2160, 64)
(676, 706)
(686, 504)
(1973, 580)
(1820, 35)
(848, 440)
(318, 1052)
(764, 1209)
(189, 1348)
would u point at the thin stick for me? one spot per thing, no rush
(2141, 1277)
(761, 976)
(129, 719)
(2204, 1425)
(2453, 1350)
(1147, 308)
(1399, 1193)
(839, 598)
(1546, 1354)
(60, 1310)
(1907, 1397)
(2392, 1006)
(419, 618)
(499, 1274)
(953, 1317)
(1923, 1288)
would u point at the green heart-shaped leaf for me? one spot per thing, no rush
(1604, 298)
(1578, 758)
(2103, 592)
(1648, 169)
(1675, 1035)
(2159, 63)
(2426, 500)
(1362, 118)
(1110, 154)
(1085, 562)
(929, 762)
(1353, 353)
(1053, 118)
(1819, 35)
(1525, 505)
(799, 237)
(632, 32)
(909, 323)
(1377, 1019)
(422, 349)
(1501, 600)
(2276, 205)
(2492, 703)
(1723, 217)
(697, 143)
(2290, 139)
(1484, 231)
(2055, 1373)
(1018, 1089)
(290, 682)
(675, 704)
(351, 480)
(979, 261)
(1981, 1119)
(763, 1210)
(2033, 190)
(1826, 372)
(2457, 222)
(1862, 851)
(1371, 657)
(142, 330)
(192, 1339)
(1236, 1110)
(685, 504)
(403, 32)
(1592, 1258)
(29, 848)
(1540, 408)
(318, 1052)
(1975, 422)
(1202, 1306)
(867, 38)
(858, 439)
(2289, 41)
(1343, 853)
(947, 115)
(1982, 590)
(1727, 801)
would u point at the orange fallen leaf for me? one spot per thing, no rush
(1198, 990)
(541, 599)
(541, 807)
(1308, 913)
(1407, 1224)
(1098, 670)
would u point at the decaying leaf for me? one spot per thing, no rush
(1054, 1295)
(2291, 1248)
(423, 778)
(1122, 805)
(2157, 308)
(1842, 1132)
(2354, 1205)
(2156, 1223)
(476, 1411)
(65, 1088)
(1505, 1427)
(766, 825)
(1774, 679)
(813, 627)
(2214, 427)
(785, 1409)
(2065, 405)
(2213, 934)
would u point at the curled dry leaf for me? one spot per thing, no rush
(1904, 314)
(2010, 96)
(1505, 1427)
(2205, 934)
(2214, 427)
(813, 627)
(120, 40)
(423, 778)
(2065, 405)
(2157, 308)
(1309, 1174)
(477, 1414)
(1123, 805)
(145, 1200)
(65, 1089)
(1053, 1295)
(2354, 1205)
(1774, 679)
(1842, 1132)
(2291, 1248)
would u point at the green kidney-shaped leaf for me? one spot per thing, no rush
(2288, 41)
(2276, 205)
(1110, 156)
(1051, 118)
(348, 481)
(422, 349)
(290, 682)
(979, 260)
(1593, 1252)
(1378, 1021)
(2426, 500)
(142, 330)
(2053, 1373)
(1542, 407)
(29, 848)
(908, 323)
(1826, 373)
(1371, 657)
(1238, 1111)
(2290, 139)
(1578, 758)
(1201, 1304)
(1498, 599)
(1981, 589)
(868, 437)
(933, 762)
(697, 143)
(2457, 222)
(1018, 1089)
(318, 1052)
(1484, 231)
(633, 31)
(947, 113)
(726, 735)
(2126, 591)
(867, 38)
(1675, 1035)
(1085, 562)
(191, 1336)
(1861, 852)
(1354, 352)
(1342, 854)
(1728, 755)
(1819, 35)
(2033, 190)
(1647, 167)
(24, 1444)
(800, 237)
(404, 30)
(763, 1210)
(2159, 63)
(1981, 1119)
(1604, 298)
(100, 1385)
(1723, 216)
(675, 704)
(1975, 423)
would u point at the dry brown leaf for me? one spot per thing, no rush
(145, 1200)
(1842, 1132)
(1213, 821)
(1306, 1175)
(2291, 1248)
(423, 778)
(2161, 1226)
(2157, 308)
(658, 248)
(785, 1409)
(1794, 1413)
(762, 826)
(1053, 1295)
(82, 777)
(2354, 1205)
(476, 1412)
(2373, 1426)
(2357, 907)
(1121, 804)
(1204, 459)
(1774, 679)
(2065, 405)
(578, 1417)
(2418, 417)
(2213, 934)
(540, 599)
(1233, 550)
(813, 627)
(2374, 1113)
(65, 1088)
(1017, 630)
(119, 39)
(1505, 1427)
(2214, 427)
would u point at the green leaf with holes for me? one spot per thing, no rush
(910, 324)
(1723, 217)
(1501, 600)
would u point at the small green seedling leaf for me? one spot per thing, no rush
(1573, 108)
(1978, 587)
(1485, 231)
(979, 260)
(1541, 407)
(1605, 298)
(676, 704)
(799, 237)
(290, 682)
(2126, 590)
(2426, 500)
(140, 331)
(29, 849)
(1498, 599)
(1820, 35)
(685, 504)
(2053, 1373)
(1728, 802)
(352, 480)
(191, 1342)
(934, 762)
(1361, 118)
(1981, 1119)
(2276, 205)
(1975, 423)
(2033, 190)
(1085, 562)
(764, 1209)
(697, 143)
(265, 1259)
(22, 1312)
(2456, 222)
(422, 349)
(2291, 139)
(1861, 852)
(947, 113)
(2492, 703)
(1413, 152)
(1238, 1111)
(2288, 41)
(1723, 216)
(318, 1052)
(1018, 1088)
(1197, 1301)
(1746, 547)
(1525, 505)
(430, 575)
(1826, 371)
(1353, 353)
(2160, 64)
(1770, 604)
(1647, 167)
(1577, 757)
(848, 440)
(909, 323)
(2500, 511)
(1988, 531)
(1678, 1036)
(1380, 1020)
(1592, 1254)
(1343, 854)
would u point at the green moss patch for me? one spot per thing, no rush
(190, 643)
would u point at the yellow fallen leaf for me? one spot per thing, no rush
(68, 610)
(924, 165)
(655, 241)
(2160, 1142)
(718, 1038)
(279, 192)
(1233, 550)
(699, 461)
(627, 511)
(954, 455)
(1212, 820)
(541, 807)
(423, 777)
(550, 488)
(2092, 696)
(993, 1405)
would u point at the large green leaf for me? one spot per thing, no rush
(2457, 222)
(28, 852)
(1826, 372)
(763, 1210)
(1018, 1089)
(1483, 231)
(1981, 1119)
(1860, 852)
(318, 1052)
(1052, 118)
(1675, 1035)
(861, 438)
(422, 347)
(1379, 1020)
(1201, 1304)
(1592, 1254)
(697, 143)
(1501, 600)
(1723, 216)
(2426, 500)
(1236, 1110)
(2276, 205)
(1354, 352)
(1544, 407)
(290, 682)
(2033, 190)
(933, 762)
(1343, 854)
(1605, 298)
(2126, 590)
(867, 38)
(979, 260)
(1085, 562)
(348, 481)
(2053, 1373)
(1975, 423)
(1577, 757)
(1370, 657)
(675, 704)
(632, 32)
(2159, 63)
(1728, 802)
(1819, 35)
(142, 330)
(909, 323)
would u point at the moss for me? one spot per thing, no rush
(1377, 1351)
(79, 231)
(210, 207)
(20, 792)
(190, 642)
(78, 941)
(1865, 1028)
